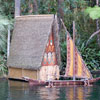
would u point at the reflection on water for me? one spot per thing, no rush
(14, 90)
(78, 93)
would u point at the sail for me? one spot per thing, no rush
(50, 68)
(75, 64)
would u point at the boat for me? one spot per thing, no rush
(76, 68)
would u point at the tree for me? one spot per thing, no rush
(60, 11)
(94, 13)
(17, 8)
(33, 7)
(4, 22)
(97, 24)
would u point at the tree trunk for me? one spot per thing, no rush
(35, 7)
(60, 12)
(30, 7)
(97, 24)
(17, 8)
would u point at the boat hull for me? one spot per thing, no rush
(37, 83)
(56, 83)
(62, 83)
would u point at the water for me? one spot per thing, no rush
(14, 90)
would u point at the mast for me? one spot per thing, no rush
(74, 50)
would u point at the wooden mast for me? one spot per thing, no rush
(74, 50)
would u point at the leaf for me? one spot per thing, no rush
(94, 12)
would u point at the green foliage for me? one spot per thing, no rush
(91, 56)
(4, 22)
(74, 10)
(7, 8)
(63, 55)
(3, 68)
(44, 6)
(47, 6)
(94, 12)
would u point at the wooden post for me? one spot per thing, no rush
(8, 42)
(74, 50)
(17, 8)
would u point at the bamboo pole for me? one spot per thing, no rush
(8, 42)
(74, 50)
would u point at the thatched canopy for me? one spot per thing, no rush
(30, 36)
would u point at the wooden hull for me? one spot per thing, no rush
(62, 83)
(37, 83)
(94, 80)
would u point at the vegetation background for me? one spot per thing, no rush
(68, 10)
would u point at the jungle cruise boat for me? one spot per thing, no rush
(76, 68)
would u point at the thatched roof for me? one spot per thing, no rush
(30, 36)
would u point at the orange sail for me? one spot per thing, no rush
(50, 68)
(75, 64)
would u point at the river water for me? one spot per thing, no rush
(14, 90)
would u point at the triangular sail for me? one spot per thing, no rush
(50, 68)
(80, 70)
